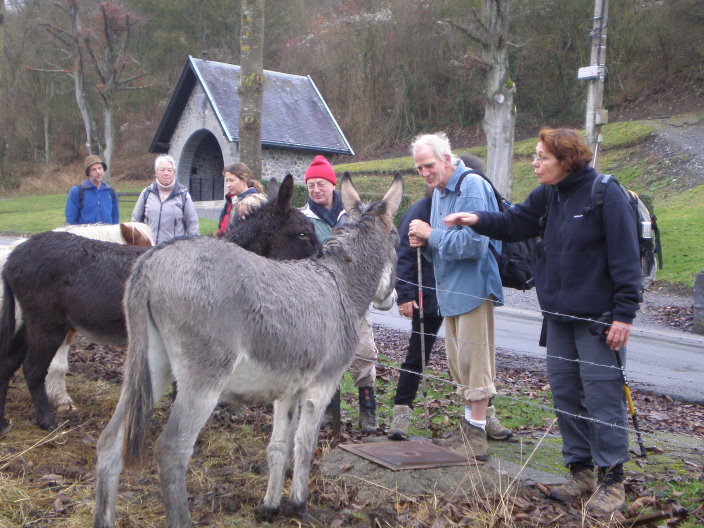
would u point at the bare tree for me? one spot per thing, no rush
(104, 46)
(251, 85)
(490, 30)
(3, 96)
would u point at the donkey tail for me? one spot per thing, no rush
(137, 394)
(7, 316)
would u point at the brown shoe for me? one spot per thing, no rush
(476, 440)
(494, 429)
(607, 499)
(580, 482)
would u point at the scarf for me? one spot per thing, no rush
(331, 215)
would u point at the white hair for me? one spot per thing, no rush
(164, 157)
(438, 142)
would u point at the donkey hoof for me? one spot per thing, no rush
(5, 427)
(48, 424)
(66, 407)
(268, 513)
(300, 511)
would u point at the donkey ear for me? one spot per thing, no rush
(285, 193)
(350, 198)
(272, 189)
(394, 195)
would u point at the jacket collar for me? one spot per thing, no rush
(585, 173)
(452, 184)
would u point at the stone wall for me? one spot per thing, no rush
(199, 130)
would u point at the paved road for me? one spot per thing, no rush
(664, 361)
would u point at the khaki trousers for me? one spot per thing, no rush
(469, 340)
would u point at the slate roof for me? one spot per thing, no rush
(294, 114)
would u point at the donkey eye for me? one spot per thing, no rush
(302, 235)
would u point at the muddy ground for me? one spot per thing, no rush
(52, 484)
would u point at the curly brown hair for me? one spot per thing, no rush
(567, 145)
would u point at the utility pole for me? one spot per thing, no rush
(595, 75)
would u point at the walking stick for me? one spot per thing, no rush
(629, 401)
(422, 341)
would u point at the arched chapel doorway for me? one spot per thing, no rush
(201, 165)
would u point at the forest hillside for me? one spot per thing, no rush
(388, 69)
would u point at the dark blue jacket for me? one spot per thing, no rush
(407, 266)
(591, 263)
(98, 204)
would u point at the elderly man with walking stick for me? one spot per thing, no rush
(467, 276)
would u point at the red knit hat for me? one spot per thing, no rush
(321, 168)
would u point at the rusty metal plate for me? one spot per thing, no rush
(409, 455)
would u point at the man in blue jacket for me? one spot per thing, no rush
(93, 201)
(467, 277)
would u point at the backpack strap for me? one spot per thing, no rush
(144, 201)
(500, 200)
(82, 192)
(598, 191)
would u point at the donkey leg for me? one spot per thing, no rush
(278, 452)
(312, 409)
(189, 413)
(10, 361)
(40, 351)
(55, 382)
(108, 469)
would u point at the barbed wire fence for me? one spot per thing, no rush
(694, 384)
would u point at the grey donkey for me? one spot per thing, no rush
(281, 332)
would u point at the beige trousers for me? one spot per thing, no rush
(363, 366)
(469, 340)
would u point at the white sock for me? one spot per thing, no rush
(478, 423)
(467, 413)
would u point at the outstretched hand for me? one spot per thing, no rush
(461, 219)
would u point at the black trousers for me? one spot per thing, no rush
(407, 387)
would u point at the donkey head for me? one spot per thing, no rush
(277, 230)
(382, 214)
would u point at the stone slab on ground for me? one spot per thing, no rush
(377, 484)
(526, 475)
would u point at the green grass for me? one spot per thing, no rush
(681, 222)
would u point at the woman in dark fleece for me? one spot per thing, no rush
(591, 267)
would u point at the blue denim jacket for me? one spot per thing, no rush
(466, 273)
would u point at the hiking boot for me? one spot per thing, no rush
(367, 410)
(476, 440)
(494, 429)
(607, 499)
(400, 423)
(581, 481)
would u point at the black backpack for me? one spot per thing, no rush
(646, 223)
(517, 259)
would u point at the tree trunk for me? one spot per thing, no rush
(109, 134)
(500, 112)
(93, 145)
(251, 85)
(3, 95)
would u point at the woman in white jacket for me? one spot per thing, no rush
(165, 205)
